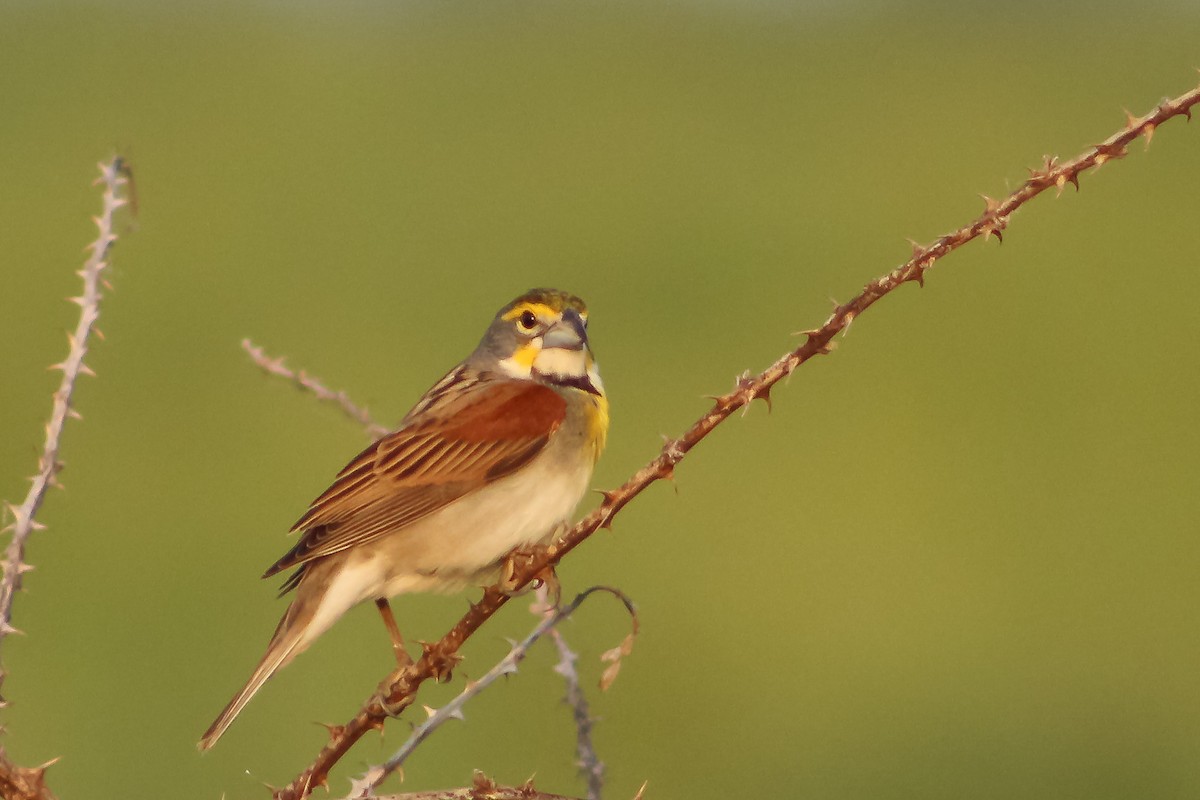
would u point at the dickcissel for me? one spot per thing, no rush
(494, 457)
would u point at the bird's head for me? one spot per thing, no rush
(542, 336)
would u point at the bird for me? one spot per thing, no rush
(494, 456)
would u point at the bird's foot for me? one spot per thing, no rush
(514, 573)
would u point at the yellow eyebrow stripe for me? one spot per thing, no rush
(540, 309)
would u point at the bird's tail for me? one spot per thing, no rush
(289, 640)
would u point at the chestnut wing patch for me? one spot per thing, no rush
(439, 456)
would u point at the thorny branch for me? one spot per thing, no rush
(364, 787)
(482, 789)
(398, 691)
(303, 380)
(588, 760)
(22, 782)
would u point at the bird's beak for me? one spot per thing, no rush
(566, 334)
(565, 355)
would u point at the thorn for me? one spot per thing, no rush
(764, 394)
(6, 629)
(84, 369)
(60, 366)
(17, 515)
(1107, 152)
(360, 787)
(1073, 177)
(335, 731)
(994, 221)
(1148, 131)
(429, 710)
(481, 783)
(73, 414)
(99, 334)
(917, 273)
(79, 301)
(641, 793)
(375, 776)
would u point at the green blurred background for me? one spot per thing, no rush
(959, 559)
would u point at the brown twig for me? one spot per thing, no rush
(23, 783)
(497, 793)
(398, 691)
(303, 380)
(112, 175)
(482, 789)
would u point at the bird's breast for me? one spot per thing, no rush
(461, 544)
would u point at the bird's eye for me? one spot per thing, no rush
(527, 321)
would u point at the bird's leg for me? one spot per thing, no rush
(553, 588)
(389, 621)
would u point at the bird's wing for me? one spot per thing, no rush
(440, 455)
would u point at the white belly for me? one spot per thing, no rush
(458, 546)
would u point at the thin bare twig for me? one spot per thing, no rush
(113, 177)
(365, 786)
(585, 749)
(303, 380)
(439, 658)
(29, 783)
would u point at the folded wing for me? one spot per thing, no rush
(441, 454)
